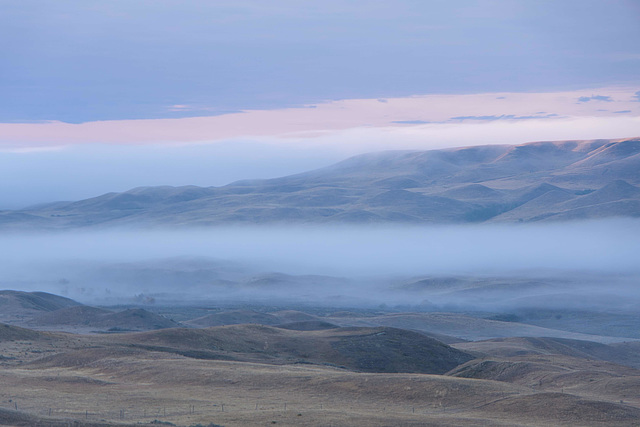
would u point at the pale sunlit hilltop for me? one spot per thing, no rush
(336, 213)
(531, 182)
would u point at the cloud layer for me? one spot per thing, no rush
(440, 111)
(88, 60)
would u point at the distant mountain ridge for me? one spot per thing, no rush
(538, 181)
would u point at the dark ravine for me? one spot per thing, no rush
(541, 181)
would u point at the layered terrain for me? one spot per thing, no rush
(304, 370)
(539, 181)
(225, 330)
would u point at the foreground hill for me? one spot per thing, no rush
(132, 319)
(256, 375)
(21, 305)
(359, 349)
(528, 182)
(461, 326)
(623, 353)
(42, 310)
(15, 333)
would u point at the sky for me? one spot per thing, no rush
(102, 96)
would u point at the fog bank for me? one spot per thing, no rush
(498, 267)
(604, 245)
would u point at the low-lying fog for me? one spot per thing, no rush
(593, 263)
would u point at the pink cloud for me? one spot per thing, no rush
(310, 122)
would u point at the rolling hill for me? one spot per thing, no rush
(17, 305)
(132, 319)
(539, 181)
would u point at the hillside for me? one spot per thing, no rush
(461, 326)
(349, 367)
(133, 319)
(503, 183)
(359, 349)
(234, 317)
(624, 353)
(15, 333)
(255, 375)
(17, 305)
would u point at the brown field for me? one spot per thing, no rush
(141, 378)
